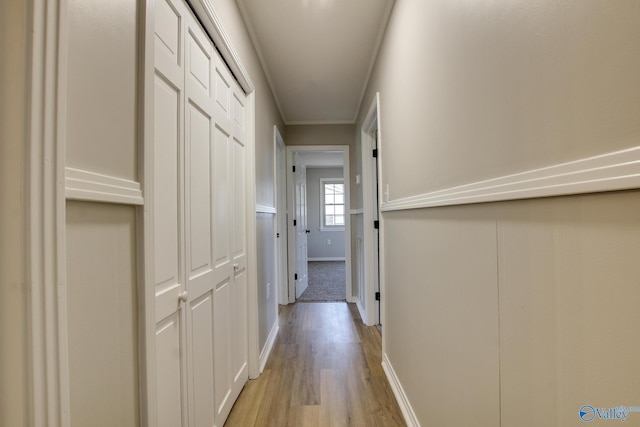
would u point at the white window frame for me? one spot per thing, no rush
(323, 226)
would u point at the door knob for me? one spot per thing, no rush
(307, 231)
(236, 267)
(184, 296)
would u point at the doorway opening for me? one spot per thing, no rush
(319, 237)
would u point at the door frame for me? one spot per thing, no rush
(371, 210)
(291, 238)
(280, 198)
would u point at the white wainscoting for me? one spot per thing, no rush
(618, 170)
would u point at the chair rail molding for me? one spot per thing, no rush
(614, 171)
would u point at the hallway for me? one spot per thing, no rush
(324, 370)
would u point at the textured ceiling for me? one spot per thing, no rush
(317, 54)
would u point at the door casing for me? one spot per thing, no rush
(291, 149)
(371, 313)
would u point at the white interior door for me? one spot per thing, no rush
(281, 221)
(168, 211)
(301, 228)
(200, 225)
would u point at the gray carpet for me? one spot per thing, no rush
(326, 282)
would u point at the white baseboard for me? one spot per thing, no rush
(407, 411)
(325, 259)
(268, 346)
(363, 314)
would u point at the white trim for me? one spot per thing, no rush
(268, 345)
(401, 397)
(147, 368)
(356, 212)
(370, 239)
(90, 186)
(323, 226)
(253, 321)
(360, 307)
(327, 258)
(266, 209)
(48, 379)
(291, 149)
(280, 244)
(209, 19)
(618, 170)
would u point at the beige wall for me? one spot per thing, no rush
(514, 313)
(267, 115)
(102, 314)
(101, 131)
(473, 90)
(101, 137)
(13, 259)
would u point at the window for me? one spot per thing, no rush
(332, 203)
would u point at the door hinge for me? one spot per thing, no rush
(376, 224)
(295, 276)
(377, 296)
(294, 222)
(294, 168)
(375, 152)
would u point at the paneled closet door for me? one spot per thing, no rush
(200, 234)
(168, 215)
(230, 261)
(199, 191)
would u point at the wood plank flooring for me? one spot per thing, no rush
(324, 370)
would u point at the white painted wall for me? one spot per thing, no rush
(513, 313)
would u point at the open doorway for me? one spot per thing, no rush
(319, 225)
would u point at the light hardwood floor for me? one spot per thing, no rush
(324, 370)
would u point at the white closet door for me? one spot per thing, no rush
(200, 225)
(230, 263)
(198, 141)
(168, 224)
(239, 360)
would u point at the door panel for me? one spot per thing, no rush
(168, 237)
(199, 213)
(199, 192)
(238, 194)
(201, 367)
(169, 372)
(165, 203)
(222, 349)
(222, 195)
